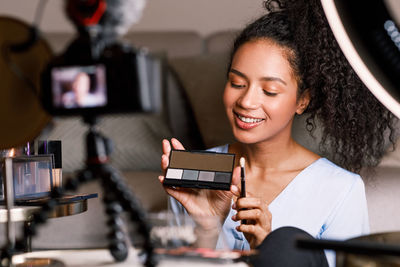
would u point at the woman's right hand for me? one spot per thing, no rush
(198, 202)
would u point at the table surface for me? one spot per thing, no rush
(102, 257)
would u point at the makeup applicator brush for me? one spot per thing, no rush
(242, 182)
(243, 179)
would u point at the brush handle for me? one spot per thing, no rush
(243, 183)
(243, 187)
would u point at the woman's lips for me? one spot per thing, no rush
(246, 123)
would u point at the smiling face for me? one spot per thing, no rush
(260, 95)
(81, 86)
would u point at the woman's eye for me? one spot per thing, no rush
(269, 93)
(237, 85)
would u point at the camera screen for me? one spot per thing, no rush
(79, 86)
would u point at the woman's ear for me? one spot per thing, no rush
(303, 101)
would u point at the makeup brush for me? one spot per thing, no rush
(243, 179)
(242, 182)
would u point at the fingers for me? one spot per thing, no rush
(164, 162)
(256, 231)
(250, 203)
(235, 190)
(169, 190)
(176, 144)
(236, 176)
(254, 215)
(257, 216)
(166, 147)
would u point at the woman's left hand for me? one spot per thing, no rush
(258, 219)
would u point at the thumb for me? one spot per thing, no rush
(235, 189)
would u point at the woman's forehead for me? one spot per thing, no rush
(263, 57)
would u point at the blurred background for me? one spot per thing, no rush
(204, 17)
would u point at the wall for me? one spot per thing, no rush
(203, 16)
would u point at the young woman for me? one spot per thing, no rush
(284, 64)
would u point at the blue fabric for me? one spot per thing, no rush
(326, 201)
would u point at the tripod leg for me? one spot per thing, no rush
(28, 238)
(118, 247)
(117, 186)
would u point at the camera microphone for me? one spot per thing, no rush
(86, 12)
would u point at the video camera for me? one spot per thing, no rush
(98, 74)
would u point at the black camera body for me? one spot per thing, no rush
(92, 78)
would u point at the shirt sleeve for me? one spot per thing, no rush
(349, 219)
(229, 237)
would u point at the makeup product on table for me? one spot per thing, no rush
(200, 169)
(242, 182)
(53, 147)
(32, 176)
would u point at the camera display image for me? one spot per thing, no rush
(79, 86)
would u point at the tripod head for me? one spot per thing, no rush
(98, 147)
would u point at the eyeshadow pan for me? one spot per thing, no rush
(190, 174)
(174, 174)
(206, 161)
(200, 169)
(206, 176)
(222, 177)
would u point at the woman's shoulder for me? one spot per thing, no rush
(325, 164)
(219, 149)
(330, 174)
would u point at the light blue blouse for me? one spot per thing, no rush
(326, 201)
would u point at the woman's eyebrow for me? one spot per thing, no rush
(268, 79)
(273, 79)
(238, 73)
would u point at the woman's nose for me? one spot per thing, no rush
(250, 99)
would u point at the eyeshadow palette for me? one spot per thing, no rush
(200, 169)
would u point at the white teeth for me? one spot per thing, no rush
(249, 120)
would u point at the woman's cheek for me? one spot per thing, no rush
(228, 99)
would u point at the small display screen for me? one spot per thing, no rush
(79, 86)
(32, 176)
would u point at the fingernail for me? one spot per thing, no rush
(234, 206)
(234, 188)
(234, 217)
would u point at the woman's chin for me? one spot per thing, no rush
(245, 138)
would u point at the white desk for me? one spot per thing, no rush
(102, 257)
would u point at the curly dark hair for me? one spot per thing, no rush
(355, 125)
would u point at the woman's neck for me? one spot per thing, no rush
(266, 155)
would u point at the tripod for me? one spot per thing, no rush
(117, 198)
